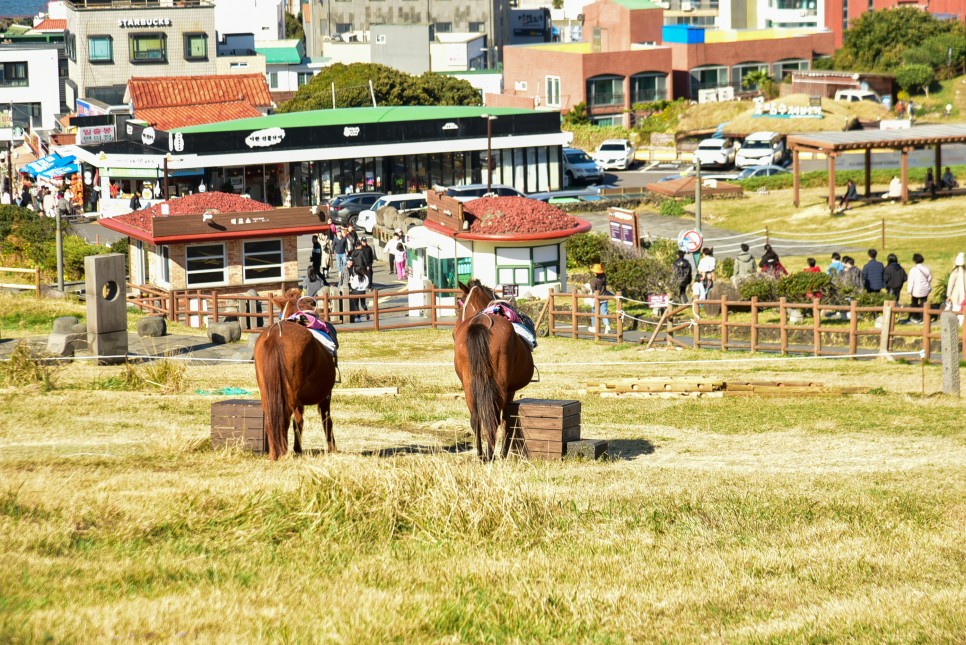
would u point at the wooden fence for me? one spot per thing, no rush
(801, 328)
(14, 285)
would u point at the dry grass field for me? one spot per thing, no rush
(733, 519)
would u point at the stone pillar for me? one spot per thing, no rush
(106, 307)
(949, 324)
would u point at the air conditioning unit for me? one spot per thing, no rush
(520, 86)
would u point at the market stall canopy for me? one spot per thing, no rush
(58, 171)
(684, 187)
(49, 162)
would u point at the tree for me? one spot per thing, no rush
(293, 26)
(876, 40)
(390, 86)
(755, 79)
(911, 77)
(945, 53)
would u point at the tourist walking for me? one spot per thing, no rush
(956, 287)
(358, 285)
(682, 276)
(894, 276)
(400, 259)
(370, 257)
(598, 285)
(920, 285)
(872, 274)
(316, 257)
(340, 247)
(313, 282)
(390, 250)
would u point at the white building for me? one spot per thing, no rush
(264, 19)
(30, 82)
(287, 68)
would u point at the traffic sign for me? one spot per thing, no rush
(690, 241)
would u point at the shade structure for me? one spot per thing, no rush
(47, 163)
(59, 171)
(684, 187)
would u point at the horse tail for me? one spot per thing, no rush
(274, 384)
(487, 398)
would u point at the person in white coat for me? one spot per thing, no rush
(956, 287)
(919, 286)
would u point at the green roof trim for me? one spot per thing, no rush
(280, 55)
(354, 116)
(637, 4)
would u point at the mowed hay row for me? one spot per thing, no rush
(700, 388)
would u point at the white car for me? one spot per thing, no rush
(413, 204)
(761, 149)
(716, 152)
(615, 153)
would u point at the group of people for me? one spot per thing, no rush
(947, 181)
(42, 199)
(354, 260)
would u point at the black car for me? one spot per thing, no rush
(345, 209)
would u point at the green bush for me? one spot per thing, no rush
(638, 277)
(803, 286)
(939, 287)
(585, 249)
(672, 208)
(76, 249)
(866, 299)
(726, 267)
(761, 286)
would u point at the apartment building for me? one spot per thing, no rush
(29, 83)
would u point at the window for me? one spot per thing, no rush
(70, 45)
(606, 90)
(649, 86)
(304, 77)
(444, 27)
(196, 46)
(273, 80)
(477, 27)
(13, 74)
(100, 49)
(148, 48)
(205, 264)
(343, 27)
(262, 260)
(27, 110)
(553, 91)
(165, 252)
(546, 264)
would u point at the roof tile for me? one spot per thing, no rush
(172, 91)
(51, 24)
(180, 116)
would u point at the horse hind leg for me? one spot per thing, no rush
(326, 413)
(298, 423)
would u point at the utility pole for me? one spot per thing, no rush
(60, 254)
(489, 150)
(697, 194)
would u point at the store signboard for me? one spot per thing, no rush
(95, 134)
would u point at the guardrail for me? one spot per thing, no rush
(15, 285)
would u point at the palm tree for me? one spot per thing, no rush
(755, 79)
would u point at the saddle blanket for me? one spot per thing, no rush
(325, 339)
(525, 334)
(323, 331)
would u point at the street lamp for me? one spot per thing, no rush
(489, 149)
(167, 158)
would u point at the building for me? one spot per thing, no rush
(263, 19)
(287, 68)
(179, 101)
(110, 41)
(30, 84)
(302, 158)
(630, 56)
(351, 20)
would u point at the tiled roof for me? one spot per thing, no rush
(171, 91)
(51, 24)
(180, 116)
(194, 204)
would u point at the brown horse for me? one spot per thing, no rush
(293, 370)
(492, 363)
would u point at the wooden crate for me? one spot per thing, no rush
(541, 428)
(238, 422)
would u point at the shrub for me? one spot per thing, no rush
(638, 277)
(726, 267)
(672, 208)
(939, 287)
(866, 299)
(803, 286)
(761, 286)
(584, 249)
(27, 367)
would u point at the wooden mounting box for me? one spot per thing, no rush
(238, 422)
(541, 428)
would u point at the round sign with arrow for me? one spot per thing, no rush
(690, 241)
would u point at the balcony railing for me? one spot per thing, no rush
(602, 99)
(644, 96)
(138, 4)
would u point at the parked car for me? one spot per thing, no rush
(410, 205)
(580, 168)
(345, 209)
(761, 149)
(567, 196)
(615, 154)
(761, 171)
(854, 96)
(716, 152)
(472, 191)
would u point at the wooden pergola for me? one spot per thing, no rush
(833, 144)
